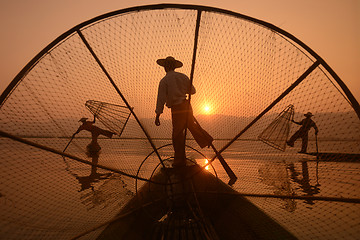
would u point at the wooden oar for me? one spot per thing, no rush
(317, 161)
(69, 142)
(226, 167)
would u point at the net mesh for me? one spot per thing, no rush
(114, 117)
(241, 68)
(276, 134)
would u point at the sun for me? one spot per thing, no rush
(207, 109)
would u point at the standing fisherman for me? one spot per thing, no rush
(173, 90)
(302, 133)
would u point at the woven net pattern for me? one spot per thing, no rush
(277, 133)
(241, 68)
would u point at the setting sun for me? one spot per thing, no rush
(207, 109)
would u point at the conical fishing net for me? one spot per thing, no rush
(276, 134)
(114, 117)
(245, 72)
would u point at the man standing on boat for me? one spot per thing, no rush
(172, 92)
(306, 124)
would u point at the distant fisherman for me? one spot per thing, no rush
(93, 149)
(302, 133)
(173, 90)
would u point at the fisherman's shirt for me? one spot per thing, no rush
(172, 90)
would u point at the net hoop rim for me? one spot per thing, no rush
(7, 92)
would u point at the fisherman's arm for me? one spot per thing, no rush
(316, 128)
(161, 99)
(79, 129)
(157, 119)
(193, 90)
(298, 123)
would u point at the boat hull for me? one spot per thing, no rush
(193, 205)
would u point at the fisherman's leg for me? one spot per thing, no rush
(200, 135)
(179, 147)
(178, 134)
(293, 139)
(106, 133)
(304, 144)
(202, 138)
(95, 160)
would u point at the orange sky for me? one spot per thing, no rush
(330, 27)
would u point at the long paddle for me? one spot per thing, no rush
(226, 167)
(69, 142)
(67, 164)
(317, 161)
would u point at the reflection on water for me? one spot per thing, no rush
(109, 191)
(110, 185)
(277, 177)
(304, 180)
(206, 162)
(100, 189)
(87, 181)
(207, 165)
(287, 179)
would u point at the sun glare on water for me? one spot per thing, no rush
(208, 166)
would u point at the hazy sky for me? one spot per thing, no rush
(330, 27)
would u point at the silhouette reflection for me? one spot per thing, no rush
(276, 176)
(95, 196)
(304, 181)
(93, 151)
(281, 178)
(88, 181)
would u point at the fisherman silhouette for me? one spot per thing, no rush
(93, 148)
(172, 91)
(303, 131)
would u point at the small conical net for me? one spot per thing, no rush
(113, 116)
(276, 134)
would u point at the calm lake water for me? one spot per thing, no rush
(44, 196)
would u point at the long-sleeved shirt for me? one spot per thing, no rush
(306, 124)
(172, 90)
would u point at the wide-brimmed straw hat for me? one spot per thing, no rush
(169, 61)
(308, 114)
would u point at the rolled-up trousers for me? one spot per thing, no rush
(182, 115)
(304, 137)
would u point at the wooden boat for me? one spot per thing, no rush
(191, 204)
